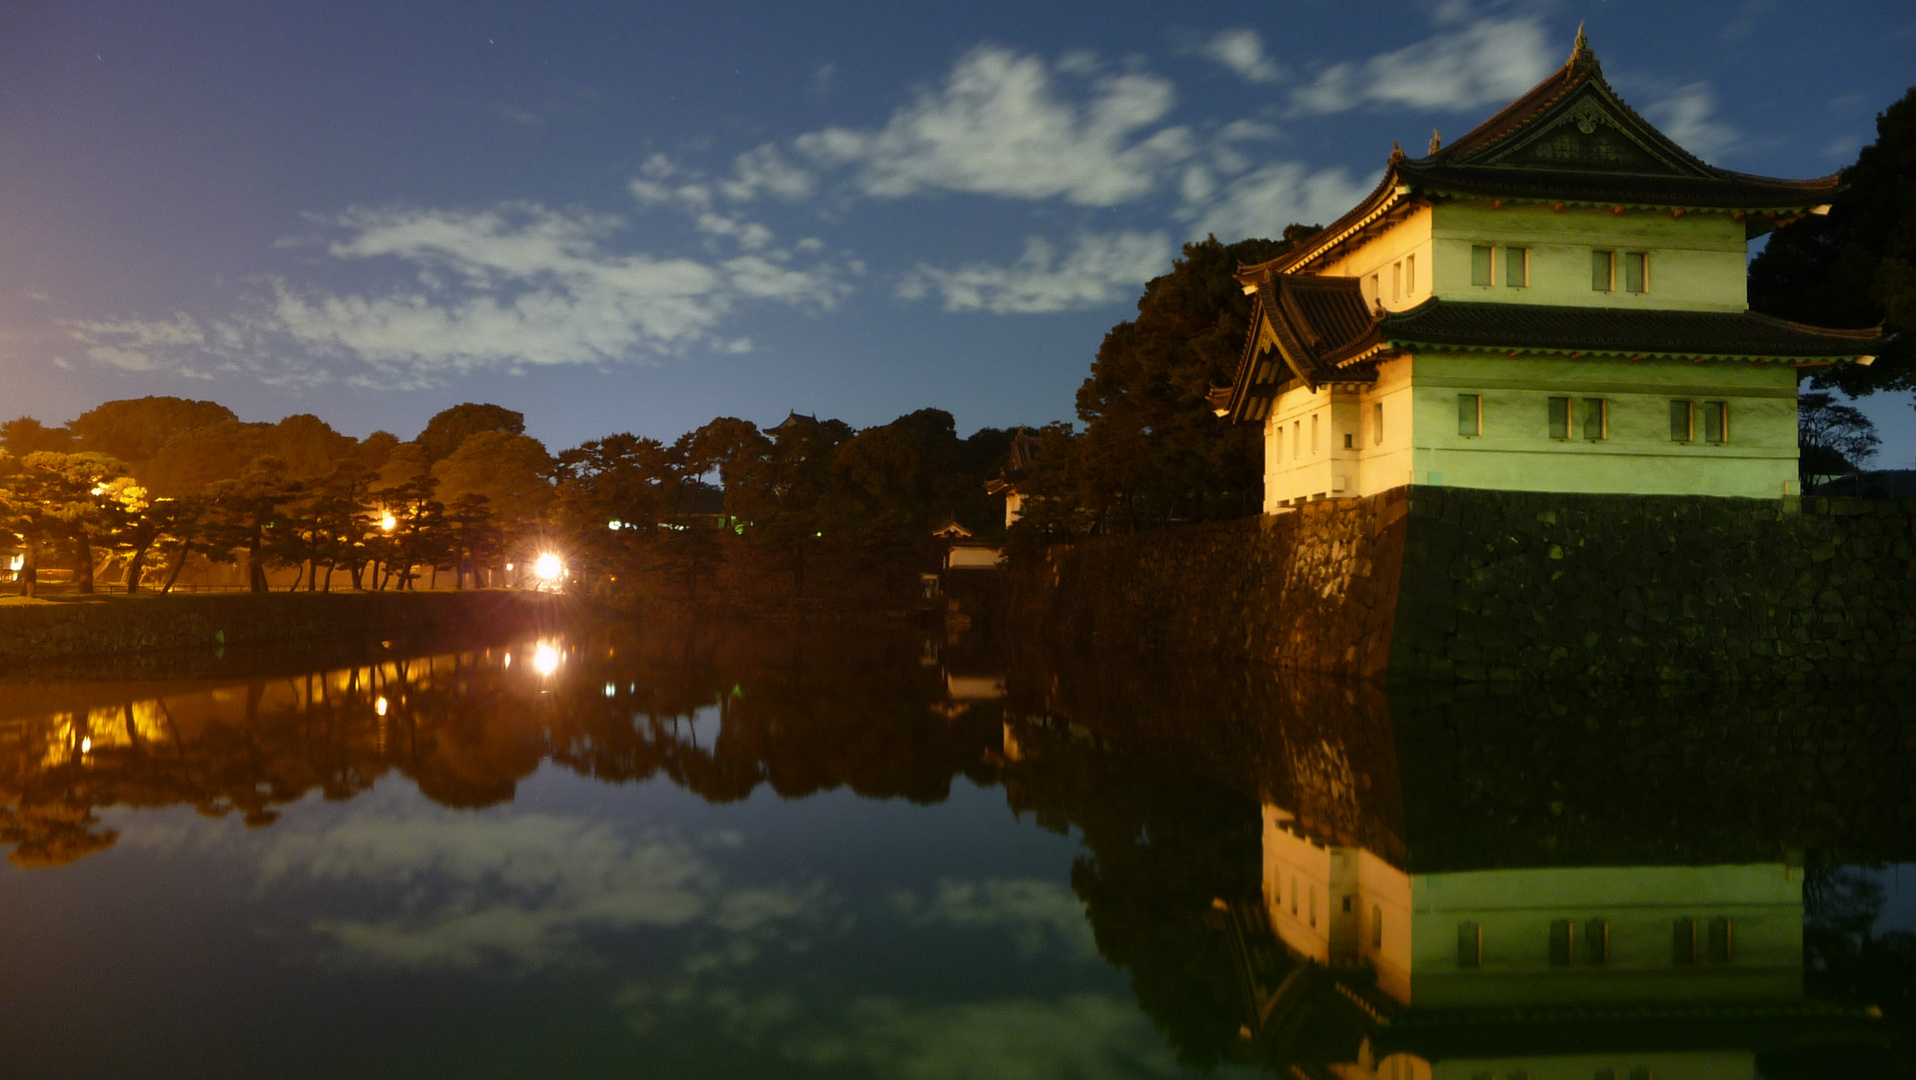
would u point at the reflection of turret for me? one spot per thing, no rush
(1666, 971)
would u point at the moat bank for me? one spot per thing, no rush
(1455, 584)
(75, 627)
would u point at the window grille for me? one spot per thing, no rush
(1596, 419)
(1603, 271)
(1716, 421)
(1470, 414)
(1560, 418)
(1517, 267)
(1682, 421)
(1636, 271)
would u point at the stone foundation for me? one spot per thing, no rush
(1452, 584)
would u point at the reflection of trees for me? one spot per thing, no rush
(799, 716)
(802, 717)
(1160, 848)
(1847, 960)
(248, 750)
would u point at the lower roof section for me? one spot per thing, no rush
(1620, 332)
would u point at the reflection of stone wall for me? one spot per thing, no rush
(1513, 586)
(119, 625)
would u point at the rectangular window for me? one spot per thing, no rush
(1682, 421)
(1470, 945)
(1410, 275)
(1560, 418)
(1376, 927)
(1603, 271)
(1313, 434)
(1293, 896)
(1716, 421)
(1313, 902)
(1563, 941)
(1347, 904)
(1480, 265)
(1596, 941)
(1350, 441)
(1377, 423)
(1596, 419)
(1636, 271)
(1722, 941)
(1297, 438)
(1683, 941)
(1517, 267)
(1376, 291)
(1470, 414)
(1397, 281)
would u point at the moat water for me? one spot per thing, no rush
(615, 853)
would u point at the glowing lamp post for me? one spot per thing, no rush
(548, 568)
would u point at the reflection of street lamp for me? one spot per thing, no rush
(548, 567)
(545, 659)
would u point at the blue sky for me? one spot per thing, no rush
(640, 216)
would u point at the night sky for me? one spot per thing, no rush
(641, 216)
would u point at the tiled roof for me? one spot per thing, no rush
(1323, 334)
(1595, 331)
(1723, 191)
(1570, 139)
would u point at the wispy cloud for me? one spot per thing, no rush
(1688, 115)
(1002, 125)
(514, 287)
(765, 170)
(1101, 269)
(1488, 62)
(133, 345)
(1264, 200)
(1242, 51)
(1037, 914)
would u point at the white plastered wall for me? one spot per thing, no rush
(1697, 261)
(1410, 238)
(1516, 451)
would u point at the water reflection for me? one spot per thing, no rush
(1306, 878)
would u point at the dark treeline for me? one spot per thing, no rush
(131, 492)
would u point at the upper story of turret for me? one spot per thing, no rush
(1565, 197)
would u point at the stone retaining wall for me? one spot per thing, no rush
(122, 625)
(1315, 589)
(1456, 584)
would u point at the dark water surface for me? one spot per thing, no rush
(825, 853)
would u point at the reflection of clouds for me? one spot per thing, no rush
(1078, 1035)
(1035, 913)
(820, 1025)
(524, 889)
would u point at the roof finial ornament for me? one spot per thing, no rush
(1436, 140)
(1580, 54)
(1396, 152)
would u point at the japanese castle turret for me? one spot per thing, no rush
(1554, 302)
